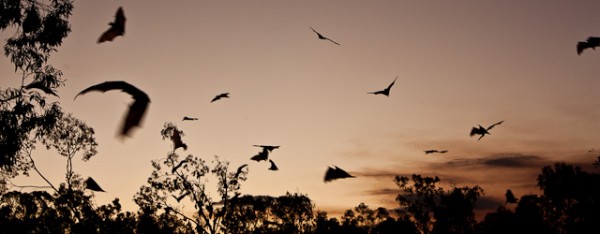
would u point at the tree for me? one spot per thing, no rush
(176, 179)
(26, 115)
(435, 210)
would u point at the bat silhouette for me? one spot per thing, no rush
(176, 138)
(592, 42)
(483, 131)
(336, 173)
(510, 197)
(262, 155)
(178, 165)
(239, 170)
(323, 37)
(267, 147)
(92, 185)
(117, 28)
(386, 91)
(136, 110)
(189, 118)
(436, 151)
(41, 86)
(181, 196)
(223, 95)
(273, 166)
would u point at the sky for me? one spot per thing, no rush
(459, 64)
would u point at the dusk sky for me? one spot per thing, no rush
(458, 63)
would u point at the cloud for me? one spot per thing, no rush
(513, 160)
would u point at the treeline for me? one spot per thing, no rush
(568, 204)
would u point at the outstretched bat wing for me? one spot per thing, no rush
(273, 166)
(493, 125)
(336, 173)
(92, 185)
(136, 110)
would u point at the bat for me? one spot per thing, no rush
(176, 138)
(273, 166)
(267, 147)
(181, 196)
(592, 42)
(41, 86)
(188, 118)
(386, 91)
(117, 28)
(239, 170)
(510, 197)
(336, 173)
(262, 155)
(178, 166)
(136, 110)
(323, 37)
(483, 131)
(223, 95)
(92, 185)
(436, 151)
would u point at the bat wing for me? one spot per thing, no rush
(263, 155)
(136, 110)
(493, 125)
(581, 46)
(273, 166)
(92, 185)
(239, 170)
(391, 84)
(430, 151)
(333, 41)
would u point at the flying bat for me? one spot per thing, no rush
(136, 110)
(436, 151)
(483, 131)
(273, 166)
(336, 173)
(181, 196)
(592, 42)
(510, 197)
(92, 185)
(189, 118)
(176, 138)
(223, 95)
(267, 147)
(117, 28)
(323, 37)
(239, 170)
(41, 86)
(386, 91)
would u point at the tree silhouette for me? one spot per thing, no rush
(435, 210)
(172, 176)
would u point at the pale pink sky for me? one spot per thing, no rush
(459, 64)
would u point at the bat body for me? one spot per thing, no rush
(262, 155)
(336, 173)
(323, 37)
(176, 138)
(386, 91)
(273, 166)
(117, 28)
(223, 95)
(591, 42)
(92, 185)
(483, 131)
(189, 118)
(136, 110)
(436, 151)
